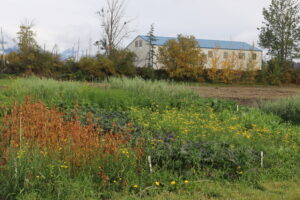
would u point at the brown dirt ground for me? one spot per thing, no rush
(247, 95)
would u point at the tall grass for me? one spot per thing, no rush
(157, 88)
(121, 95)
(48, 90)
(288, 109)
(162, 94)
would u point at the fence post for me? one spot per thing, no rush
(150, 164)
(261, 159)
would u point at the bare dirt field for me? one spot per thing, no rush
(247, 95)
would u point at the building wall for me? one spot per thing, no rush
(241, 61)
(142, 52)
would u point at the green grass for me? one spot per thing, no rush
(122, 94)
(223, 190)
(288, 109)
(206, 141)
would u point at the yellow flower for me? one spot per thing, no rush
(37, 177)
(135, 186)
(20, 154)
(64, 166)
(186, 181)
(173, 182)
(157, 183)
(44, 153)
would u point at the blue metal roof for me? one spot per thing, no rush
(210, 44)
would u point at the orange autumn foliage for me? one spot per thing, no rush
(182, 58)
(214, 63)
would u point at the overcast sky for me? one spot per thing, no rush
(63, 22)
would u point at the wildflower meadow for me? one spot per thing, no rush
(136, 139)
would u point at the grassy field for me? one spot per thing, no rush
(134, 139)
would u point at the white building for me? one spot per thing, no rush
(243, 51)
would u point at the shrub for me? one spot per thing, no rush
(123, 62)
(32, 124)
(96, 68)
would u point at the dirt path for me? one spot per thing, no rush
(247, 95)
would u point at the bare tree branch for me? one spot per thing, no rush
(114, 25)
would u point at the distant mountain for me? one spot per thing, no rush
(9, 44)
(68, 53)
(11, 49)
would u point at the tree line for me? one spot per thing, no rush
(182, 59)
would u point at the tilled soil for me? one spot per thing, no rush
(247, 95)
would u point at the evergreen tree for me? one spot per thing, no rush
(280, 33)
(151, 54)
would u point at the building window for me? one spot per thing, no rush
(140, 43)
(210, 54)
(254, 56)
(136, 43)
(241, 55)
(225, 56)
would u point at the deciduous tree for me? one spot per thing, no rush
(27, 45)
(114, 25)
(182, 58)
(229, 68)
(280, 33)
(26, 38)
(214, 62)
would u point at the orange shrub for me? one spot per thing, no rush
(32, 124)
